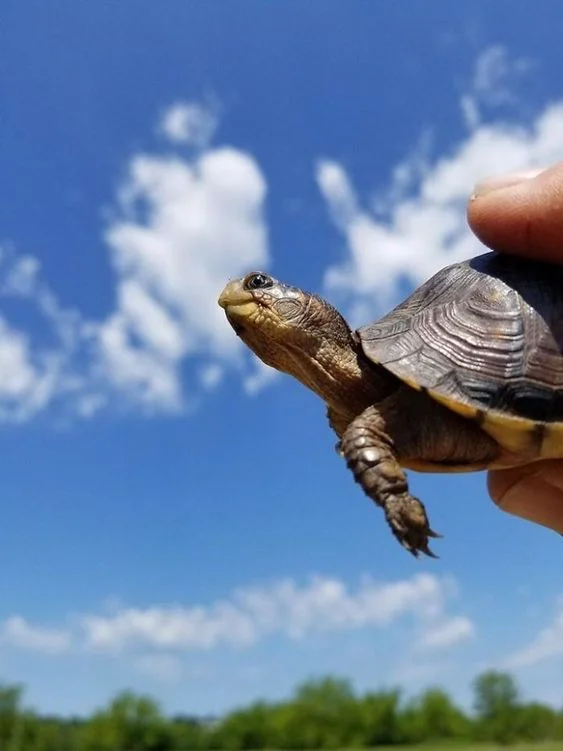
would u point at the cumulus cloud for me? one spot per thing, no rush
(186, 220)
(286, 609)
(181, 229)
(158, 640)
(181, 225)
(419, 224)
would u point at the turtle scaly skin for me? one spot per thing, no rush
(464, 375)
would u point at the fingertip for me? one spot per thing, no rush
(508, 180)
(521, 213)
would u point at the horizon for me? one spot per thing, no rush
(148, 156)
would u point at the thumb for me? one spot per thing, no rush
(533, 492)
(521, 213)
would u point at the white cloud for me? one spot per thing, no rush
(33, 370)
(284, 608)
(447, 633)
(19, 380)
(17, 632)
(259, 376)
(183, 228)
(211, 376)
(189, 123)
(546, 645)
(183, 224)
(180, 227)
(148, 378)
(494, 83)
(156, 640)
(420, 226)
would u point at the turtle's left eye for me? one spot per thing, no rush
(257, 281)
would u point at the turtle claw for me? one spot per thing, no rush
(422, 547)
(409, 523)
(426, 550)
(370, 454)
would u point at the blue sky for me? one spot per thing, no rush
(174, 518)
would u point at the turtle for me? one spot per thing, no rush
(464, 375)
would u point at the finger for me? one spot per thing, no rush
(521, 213)
(533, 492)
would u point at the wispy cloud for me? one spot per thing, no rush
(34, 370)
(259, 377)
(418, 224)
(447, 633)
(17, 632)
(189, 123)
(495, 83)
(546, 645)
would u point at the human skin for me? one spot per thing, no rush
(522, 213)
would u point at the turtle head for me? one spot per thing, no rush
(291, 330)
(279, 322)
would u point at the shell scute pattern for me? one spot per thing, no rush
(485, 336)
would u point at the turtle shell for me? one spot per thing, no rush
(485, 338)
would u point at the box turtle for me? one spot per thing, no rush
(466, 374)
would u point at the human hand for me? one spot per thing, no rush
(522, 213)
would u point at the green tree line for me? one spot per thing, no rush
(322, 714)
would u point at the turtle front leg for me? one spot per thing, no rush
(371, 455)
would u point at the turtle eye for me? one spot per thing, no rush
(257, 281)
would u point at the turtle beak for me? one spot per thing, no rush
(234, 295)
(239, 305)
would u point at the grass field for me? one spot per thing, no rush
(545, 746)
